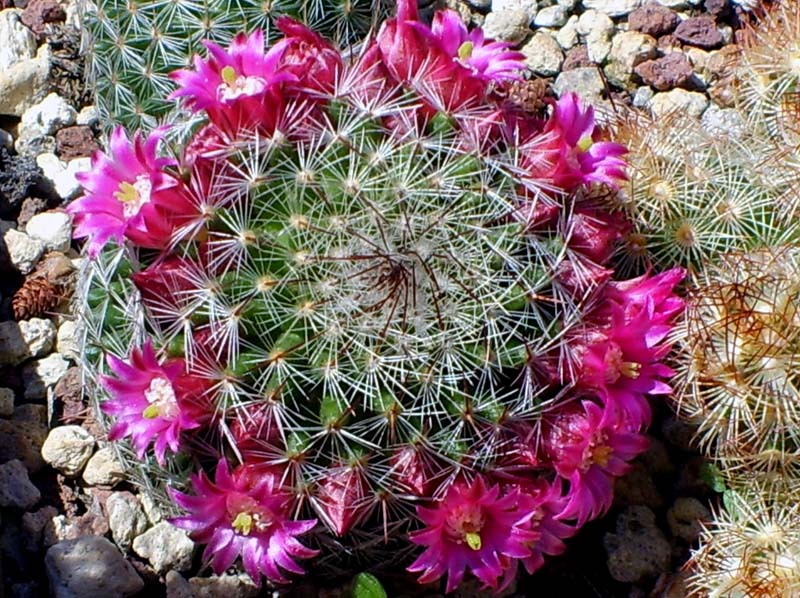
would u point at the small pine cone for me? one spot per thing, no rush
(530, 95)
(37, 296)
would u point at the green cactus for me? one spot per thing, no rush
(375, 303)
(694, 195)
(133, 45)
(370, 296)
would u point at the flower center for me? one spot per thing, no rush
(616, 366)
(465, 50)
(464, 524)
(598, 452)
(585, 142)
(243, 523)
(234, 85)
(161, 397)
(247, 516)
(134, 196)
(601, 454)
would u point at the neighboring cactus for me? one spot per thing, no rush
(374, 293)
(726, 205)
(133, 45)
(752, 549)
(741, 367)
(693, 195)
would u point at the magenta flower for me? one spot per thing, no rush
(129, 194)
(314, 62)
(236, 87)
(488, 60)
(244, 514)
(589, 445)
(473, 527)
(634, 294)
(411, 54)
(622, 359)
(152, 401)
(545, 501)
(578, 158)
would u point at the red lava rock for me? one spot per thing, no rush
(33, 525)
(720, 63)
(30, 207)
(668, 43)
(75, 142)
(653, 19)
(38, 13)
(718, 8)
(576, 58)
(68, 399)
(672, 70)
(699, 31)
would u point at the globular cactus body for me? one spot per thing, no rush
(376, 294)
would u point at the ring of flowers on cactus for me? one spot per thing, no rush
(368, 311)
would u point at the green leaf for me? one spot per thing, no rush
(367, 586)
(712, 477)
(731, 500)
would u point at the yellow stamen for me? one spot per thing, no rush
(473, 540)
(585, 142)
(630, 369)
(127, 192)
(243, 523)
(151, 412)
(601, 454)
(229, 75)
(465, 50)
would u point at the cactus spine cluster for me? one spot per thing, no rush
(133, 45)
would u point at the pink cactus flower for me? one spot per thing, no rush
(589, 445)
(546, 503)
(152, 402)
(247, 515)
(473, 527)
(315, 63)
(411, 56)
(490, 61)
(236, 87)
(129, 195)
(569, 153)
(622, 358)
(634, 294)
